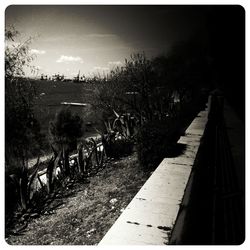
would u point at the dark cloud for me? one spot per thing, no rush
(150, 26)
(103, 33)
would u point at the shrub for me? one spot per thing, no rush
(65, 130)
(116, 146)
(155, 141)
(22, 134)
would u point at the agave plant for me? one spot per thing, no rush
(124, 124)
(33, 177)
(90, 157)
(51, 171)
(24, 185)
(80, 160)
(84, 157)
(108, 126)
(118, 140)
(98, 151)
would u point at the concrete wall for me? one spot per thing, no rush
(150, 217)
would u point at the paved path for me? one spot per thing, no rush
(151, 215)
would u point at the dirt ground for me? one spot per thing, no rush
(85, 215)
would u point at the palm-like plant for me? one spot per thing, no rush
(24, 185)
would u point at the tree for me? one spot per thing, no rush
(131, 88)
(65, 130)
(22, 130)
(17, 54)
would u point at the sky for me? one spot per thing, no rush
(97, 38)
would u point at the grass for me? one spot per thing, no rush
(86, 211)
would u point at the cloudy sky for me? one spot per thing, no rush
(97, 38)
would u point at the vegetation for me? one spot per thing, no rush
(155, 141)
(17, 55)
(65, 130)
(82, 213)
(22, 135)
(131, 88)
(144, 106)
(118, 139)
(162, 94)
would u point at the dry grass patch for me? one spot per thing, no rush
(89, 210)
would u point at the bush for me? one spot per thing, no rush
(155, 141)
(22, 134)
(116, 146)
(66, 129)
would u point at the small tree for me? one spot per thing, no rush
(22, 131)
(131, 88)
(65, 130)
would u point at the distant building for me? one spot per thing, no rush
(43, 77)
(57, 77)
(79, 78)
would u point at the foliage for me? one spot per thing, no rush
(22, 135)
(145, 99)
(139, 87)
(51, 172)
(117, 146)
(121, 180)
(161, 93)
(118, 138)
(151, 88)
(126, 89)
(81, 163)
(17, 54)
(22, 183)
(125, 125)
(91, 156)
(155, 140)
(66, 128)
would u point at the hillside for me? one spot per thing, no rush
(50, 95)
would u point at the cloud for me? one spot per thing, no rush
(94, 35)
(67, 59)
(37, 51)
(115, 63)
